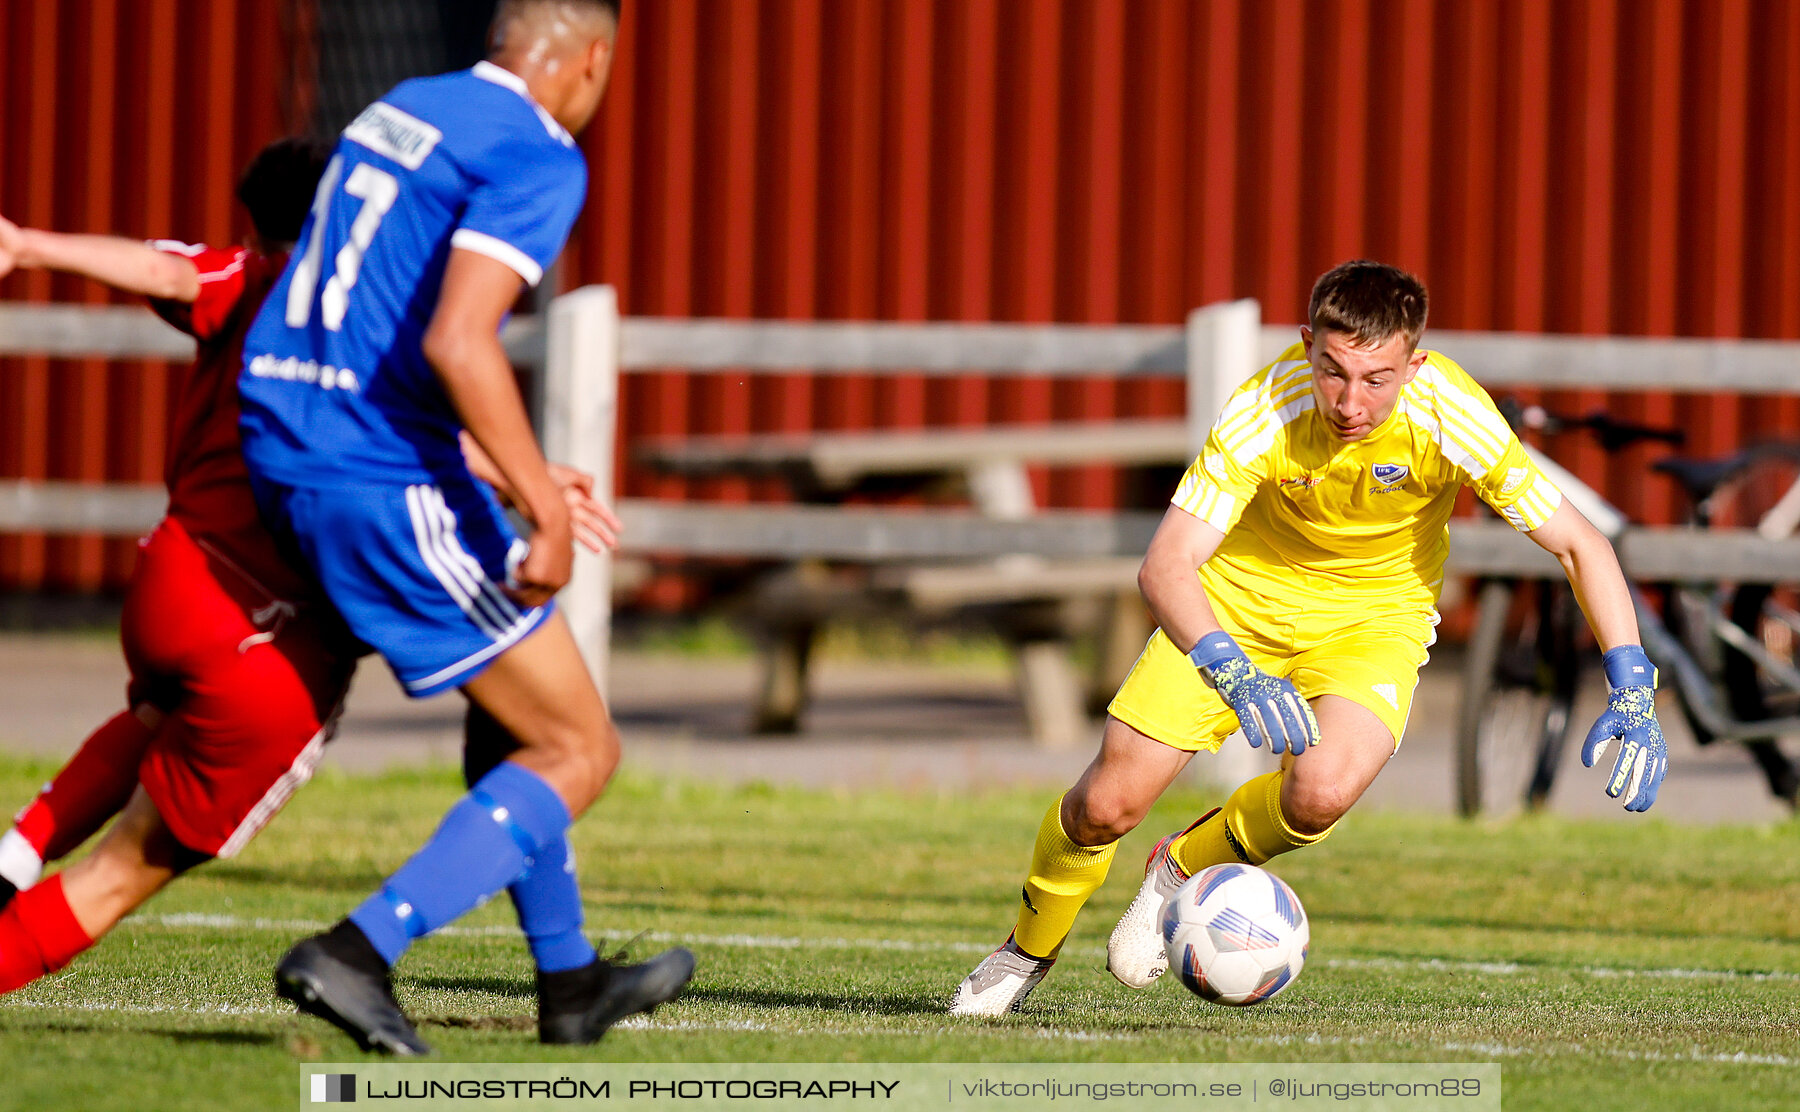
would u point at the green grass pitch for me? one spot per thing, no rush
(1617, 965)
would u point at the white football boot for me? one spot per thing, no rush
(1135, 953)
(1000, 983)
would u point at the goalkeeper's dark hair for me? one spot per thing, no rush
(278, 186)
(1370, 302)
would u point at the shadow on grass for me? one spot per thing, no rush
(522, 991)
(223, 1038)
(173, 1034)
(507, 988)
(818, 1001)
(506, 1023)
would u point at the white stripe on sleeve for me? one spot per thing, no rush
(498, 249)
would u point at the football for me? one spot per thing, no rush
(1236, 934)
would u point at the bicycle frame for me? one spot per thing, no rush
(1699, 644)
(1696, 688)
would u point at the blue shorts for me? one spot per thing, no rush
(416, 571)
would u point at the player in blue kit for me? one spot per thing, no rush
(375, 351)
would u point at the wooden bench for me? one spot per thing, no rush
(1039, 608)
(1038, 604)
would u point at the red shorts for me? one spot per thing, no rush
(250, 686)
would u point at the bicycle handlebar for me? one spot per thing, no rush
(1611, 433)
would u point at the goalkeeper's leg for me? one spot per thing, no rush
(1268, 815)
(1069, 862)
(1297, 805)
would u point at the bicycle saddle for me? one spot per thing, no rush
(1701, 477)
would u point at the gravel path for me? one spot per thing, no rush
(907, 725)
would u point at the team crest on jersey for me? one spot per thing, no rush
(1389, 474)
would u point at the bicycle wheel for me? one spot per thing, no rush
(1518, 688)
(1770, 615)
(1559, 623)
(1687, 615)
(1766, 496)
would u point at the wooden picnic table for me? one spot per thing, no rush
(993, 461)
(1037, 603)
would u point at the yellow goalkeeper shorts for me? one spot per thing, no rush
(1371, 659)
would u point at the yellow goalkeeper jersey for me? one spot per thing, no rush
(1354, 523)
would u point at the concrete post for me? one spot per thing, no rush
(581, 412)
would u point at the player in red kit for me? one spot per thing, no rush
(238, 665)
(238, 668)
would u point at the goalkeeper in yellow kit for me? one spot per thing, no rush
(1294, 580)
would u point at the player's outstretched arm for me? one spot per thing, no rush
(1630, 716)
(463, 344)
(1268, 707)
(595, 525)
(125, 264)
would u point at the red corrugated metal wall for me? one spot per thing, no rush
(1578, 166)
(133, 117)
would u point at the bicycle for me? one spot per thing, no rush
(1728, 648)
(1732, 652)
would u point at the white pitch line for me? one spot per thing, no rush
(1510, 969)
(641, 1023)
(186, 920)
(1737, 1058)
(190, 920)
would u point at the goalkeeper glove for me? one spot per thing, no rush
(1267, 706)
(1630, 718)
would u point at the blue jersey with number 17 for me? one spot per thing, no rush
(335, 387)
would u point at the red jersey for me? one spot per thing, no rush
(209, 488)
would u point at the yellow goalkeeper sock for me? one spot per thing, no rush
(1250, 828)
(1063, 876)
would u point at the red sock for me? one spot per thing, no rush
(38, 935)
(88, 791)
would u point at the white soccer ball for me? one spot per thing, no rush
(1236, 935)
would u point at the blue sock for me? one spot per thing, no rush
(485, 843)
(548, 900)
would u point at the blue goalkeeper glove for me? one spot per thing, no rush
(1630, 718)
(1267, 706)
